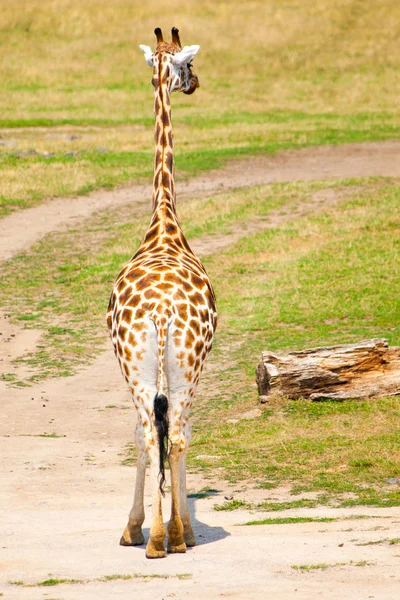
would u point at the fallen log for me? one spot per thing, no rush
(361, 370)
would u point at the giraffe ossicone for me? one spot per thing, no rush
(162, 317)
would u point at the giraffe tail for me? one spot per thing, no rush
(161, 402)
(161, 418)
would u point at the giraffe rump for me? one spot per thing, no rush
(161, 419)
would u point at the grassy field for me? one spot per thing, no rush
(278, 288)
(76, 99)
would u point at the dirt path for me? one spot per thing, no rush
(65, 496)
(21, 229)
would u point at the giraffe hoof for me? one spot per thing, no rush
(132, 537)
(190, 539)
(176, 548)
(155, 551)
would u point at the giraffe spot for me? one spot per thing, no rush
(172, 251)
(165, 118)
(126, 369)
(195, 325)
(152, 294)
(189, 339)
(169, 213)
(196, 298)
(197, 364)
(148, 306)
(143, 337)
(179, 323)
(186, 286)
(134, 301)
(121, 285)
(122, 331)
(197, 281)
(183, 311)
(128, 354)
(109, 321)
(171, 228)
(177, 338)
(172, 278)
(179, 295)
(199, 347)
(165, 287)
(135, 274)
(139, 355)
(181, 355)
(131, 339)
(151, 233)
(166, 179)
(193, 311)
(184, 273)
(119, 348)
(112, 301)
(169, 161)
(191, 360)
(138, 326)
(203, 313)
(124, 297)
(126, 315)
(188, 377)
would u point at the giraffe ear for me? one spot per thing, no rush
(148, 54)
(186, 55)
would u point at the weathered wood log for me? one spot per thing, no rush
(368, 368)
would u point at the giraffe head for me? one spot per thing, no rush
(172, 63)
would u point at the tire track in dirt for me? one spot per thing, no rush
(21, 229)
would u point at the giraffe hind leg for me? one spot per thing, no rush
(132, 535)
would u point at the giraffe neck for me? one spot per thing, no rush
(163, 183)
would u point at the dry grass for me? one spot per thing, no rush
(319, 56)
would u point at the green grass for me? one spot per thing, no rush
(294, 520)
(389, 541)
(325, 566)
(317, 567)
(105, 579)
(316, 79)
(291, 520)
(232, 505)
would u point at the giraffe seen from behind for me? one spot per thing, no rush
(162, 318)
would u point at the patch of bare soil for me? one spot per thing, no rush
(65, 495)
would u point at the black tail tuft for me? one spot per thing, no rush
(160, 413)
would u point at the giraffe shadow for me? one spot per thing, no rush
(205, 534)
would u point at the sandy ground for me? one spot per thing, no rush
(65, 499)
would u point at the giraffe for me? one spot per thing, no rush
(162, 318)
